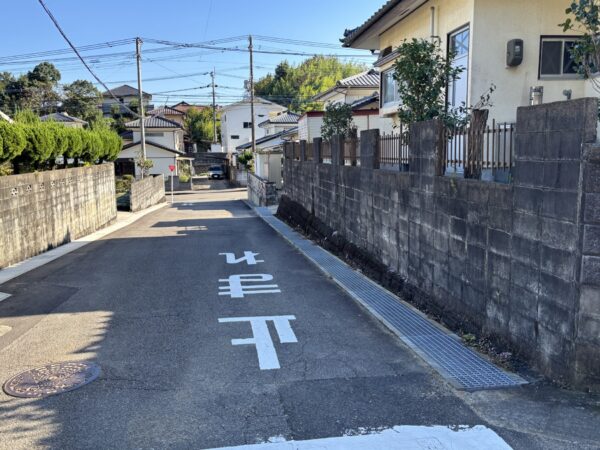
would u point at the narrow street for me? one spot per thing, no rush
(157, 306)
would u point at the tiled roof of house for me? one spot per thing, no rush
(351, 35)
(127, 135)
(62, 117)
(283, 118)
(125, 91)
(365, 101)
(153, 122)
(154, 144)
(268, 138)
(165, 111)
(368, 79)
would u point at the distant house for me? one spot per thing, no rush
(351, 89)
(268, 159)
(126, 96)
(168, 112)
(516, 45)
(361, 92)
(236, 121)
(65, 119)
(164, 146)
(184, 107)
(5, 118)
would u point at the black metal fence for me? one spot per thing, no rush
(352, 151)
(485, 153)
(393, 151)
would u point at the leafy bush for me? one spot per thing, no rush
(337, 120)
(184, 178)
(13, 141)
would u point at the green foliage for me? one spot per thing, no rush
(74, 143)
(27, 117)
(422, 74)
(246, 159)
(199, 126)
(585, 19)
(337, 121)
(294, 86)
(81, 99)
(13, 141)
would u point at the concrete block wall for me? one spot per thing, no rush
(520, 261)
(261, 192)
(588, 316)
(147, 192)
(40, 211)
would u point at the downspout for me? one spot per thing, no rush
(432, 34)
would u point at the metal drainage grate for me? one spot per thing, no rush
(51, 379)
(461, 366)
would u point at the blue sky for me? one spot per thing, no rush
(27, 29)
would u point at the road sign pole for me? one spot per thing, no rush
(172, 169)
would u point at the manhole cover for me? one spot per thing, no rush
(51, 379)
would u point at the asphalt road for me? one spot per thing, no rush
(144, 304)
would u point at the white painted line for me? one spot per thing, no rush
(4, 329)
(4, 296)
(30, 264)
(235, 288)
(261, 338)
(398, 438)
(249, 257)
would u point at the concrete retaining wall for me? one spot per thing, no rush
(519, 262)
(260, 191)
(147, 192)
(40, 211)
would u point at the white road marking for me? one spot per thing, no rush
(261, 338)
(4, 329)
(235, 289)
(249, 257)
(399, 438)
(4, 296)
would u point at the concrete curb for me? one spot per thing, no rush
(34, 262)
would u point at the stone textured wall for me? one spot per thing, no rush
(40, 211)
(260, 191)
(520, 261)
(147, 192)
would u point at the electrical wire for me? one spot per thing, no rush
(56, 24)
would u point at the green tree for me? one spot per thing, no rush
(295, 86)
(198, 125)
(81, 99)
(246, 159)
(13, 141)
(36, 90)
(337, 120)
(422, 74)
(584, 19)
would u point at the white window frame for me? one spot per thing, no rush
(561, 76)
(395, 103)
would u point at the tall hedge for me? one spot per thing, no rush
(13, 141)
(39, 143)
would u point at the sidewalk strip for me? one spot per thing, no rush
(404, 437)
(34, 262)
(457, 363)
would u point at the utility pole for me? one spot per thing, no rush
(252, 94)
(138, 52)
(214, 108)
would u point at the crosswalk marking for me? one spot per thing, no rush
(3, 296)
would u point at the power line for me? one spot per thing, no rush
(56, 24)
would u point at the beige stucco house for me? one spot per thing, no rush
(481, 32)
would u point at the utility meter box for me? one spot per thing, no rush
(514, 52)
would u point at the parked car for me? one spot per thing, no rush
(215, 173)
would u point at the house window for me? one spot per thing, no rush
(247, 124)
(458, 88)
(555, 58)
(389, 88)
(154, 134)
(234, 136)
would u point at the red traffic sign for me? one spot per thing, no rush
(172, 168)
